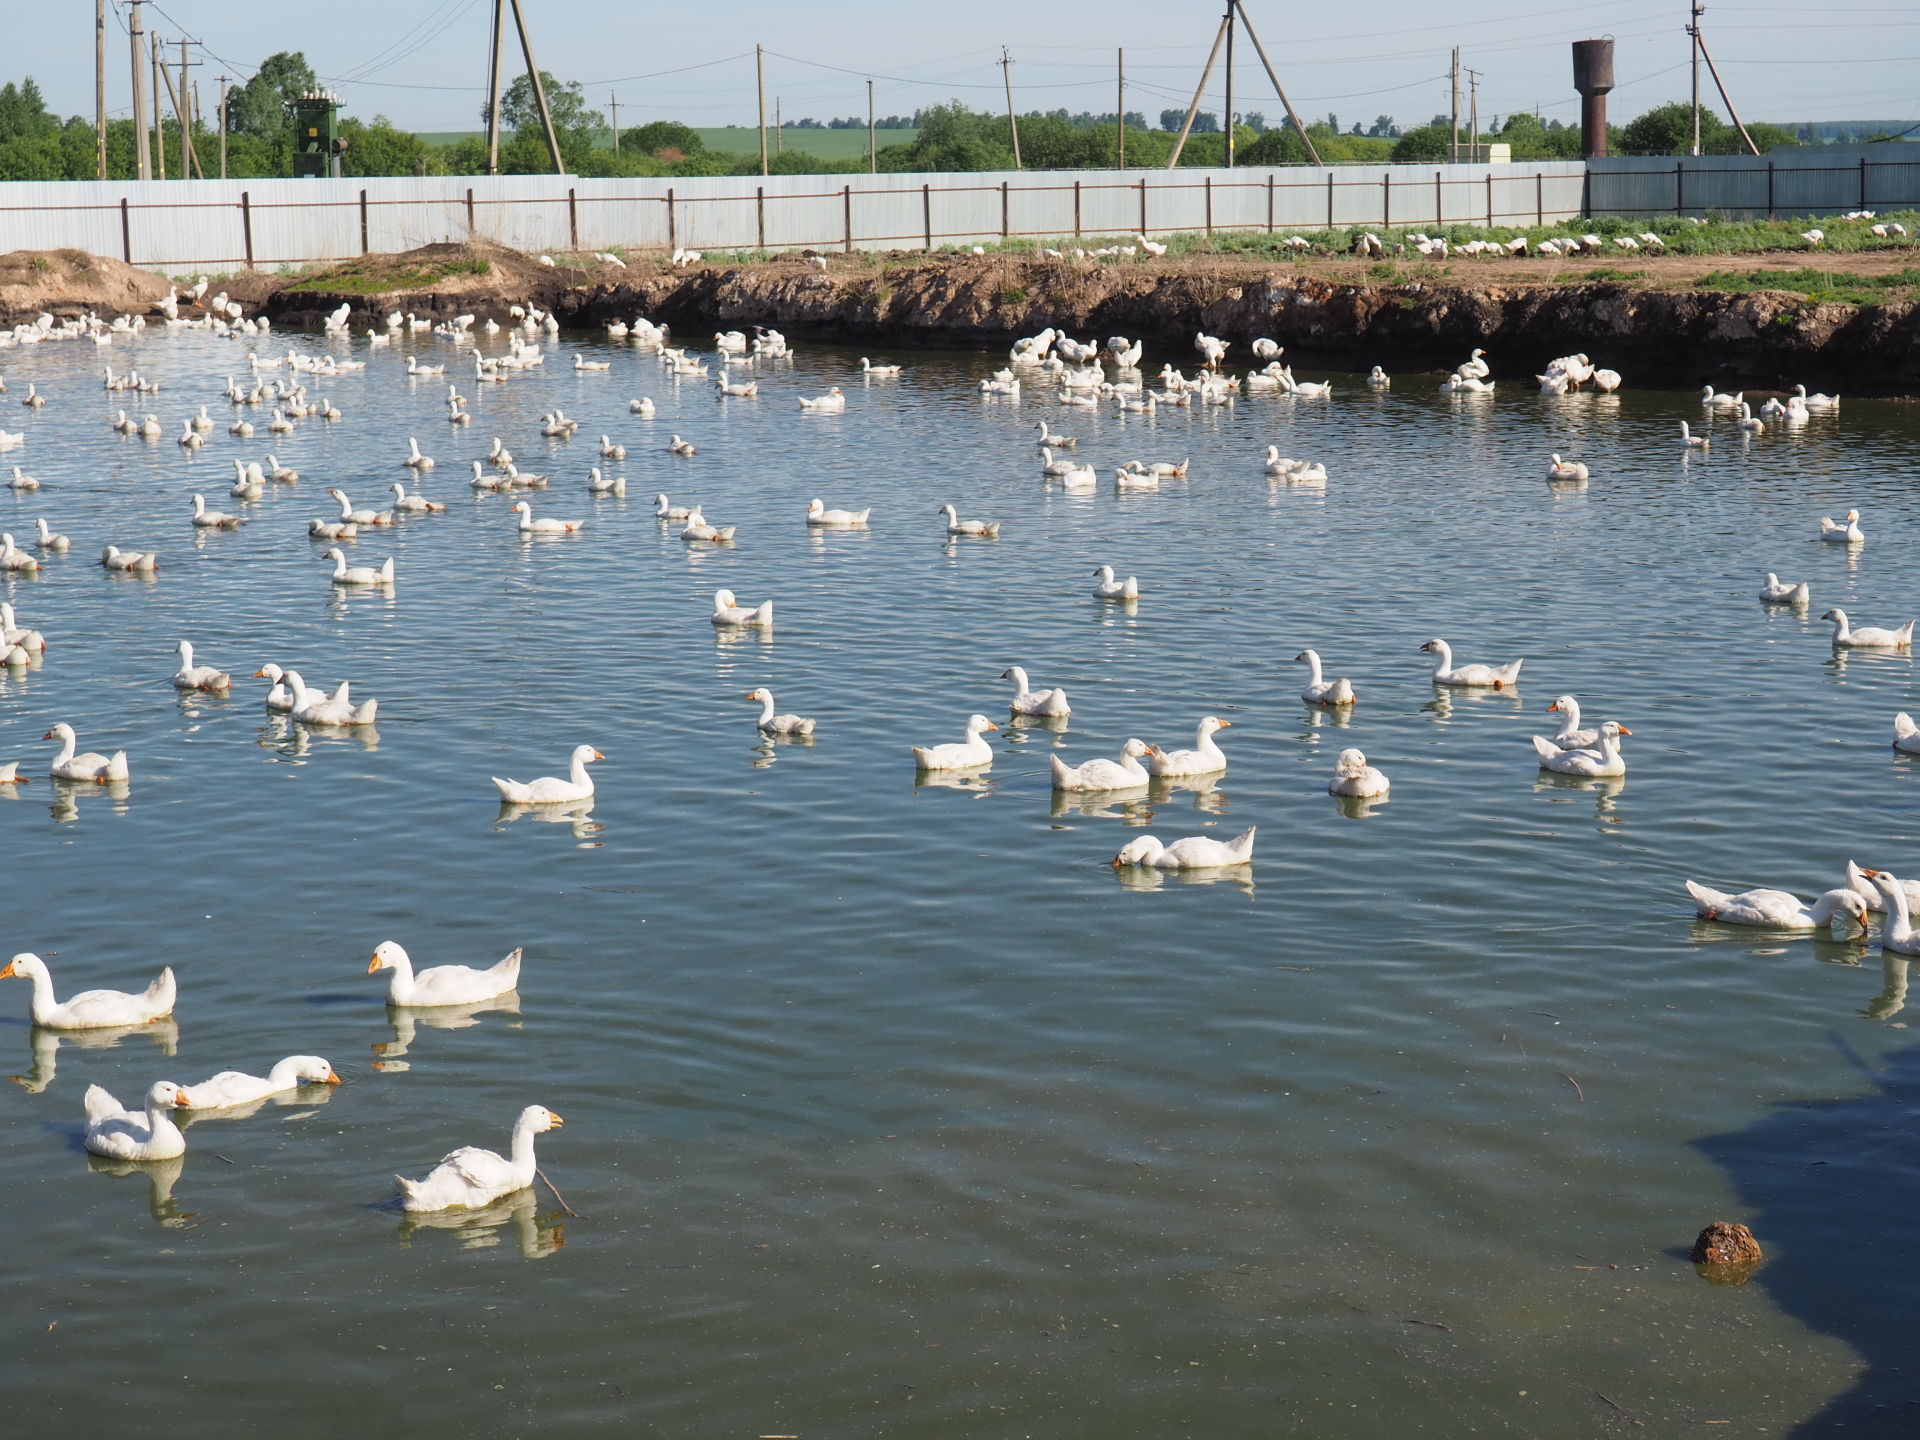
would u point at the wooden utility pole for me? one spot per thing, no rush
(1227, 119)
(1473, 116)
(1693, 35)
(493, 92)
(779, 130)
(1453, 82)
(539, 89)
(1186, 125)
(873, 150)
(189, 162)
(159, 116)
(760, 89)
(1120, 108)
(100, 89)
(1237, 15)
(136, 38)
(613, 104)
(223, 127)
(1727, 99)
(1313, 155)
(1013, 121)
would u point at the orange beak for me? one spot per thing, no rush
(8, 973)
(332, 1079)
(1625, 731)
(1116, 862)
(1226, 724)
(181, 1102)
(259, 674)
(1863, 871)
(598, 756)
(373, 965)
(49, 736)
(1554, 706)
(992, 726)
(557, 1121)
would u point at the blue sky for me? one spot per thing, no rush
(422, 62)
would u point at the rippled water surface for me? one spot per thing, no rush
(892, 1109)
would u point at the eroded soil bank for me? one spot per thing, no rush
(1330, 312)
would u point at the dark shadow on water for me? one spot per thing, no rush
(1831, 1188)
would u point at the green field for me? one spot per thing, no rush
(744, 140)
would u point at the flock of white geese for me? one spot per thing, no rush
(1080, 375)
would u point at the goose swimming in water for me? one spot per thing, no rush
(1842, 911)
(1445, 672)
(1604, 760)
(1100, 773)
(1867, 637)
(1845, 532)
(1566, 470)
(549, 790)
(1323, 692)
(1206, 758)
(962, 754)
(771, 724)
(1352, 775)
(1194, 852)
(727, 611)
(470, 1177)
(1112, 589)
(1028, 701)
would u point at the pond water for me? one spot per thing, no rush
(892, 1108)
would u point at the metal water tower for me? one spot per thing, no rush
(1593, 78)
(316, 150)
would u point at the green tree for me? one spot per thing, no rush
(259, 106)
(23, 112)
(1668, 130)
(659, 137)
(574, 125)
(1426, 143)
(377, 148)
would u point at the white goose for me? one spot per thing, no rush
(1859, 881)
(549, 790)
(961, 755)
(48, 540)
(665, 511)
(316, 707)
(206, 519)
(772, 724)
(144, 562)
(885, 372)
(1899, 935)
(1100, 773)
(818, 514)
(832, 400)
(1841, 910)
(344, 574)
(91, 1009)
(350, 516)
(279, 696)
(1194, 852)
(957, 526)
(597, 484)
(1112, 589)
(1604, 760)
(413, 504)
(1566, 470)
(442, 984)
(1319, 691)
(545, 524)
(198, 677)
(727, 611)
(1206, 758)
(1570, 736)
(1445, 672)
(145, 1134)
(1691, 441)
(471, 1177)
(1028, 701)
(698, 529)
(1379, 379)
(1847, 531)
(1352, 775)
(235, 1087)
(1049, 439)
(1779, 592)
(1906, 735)
(1867, 637)
(87, 765)
(415, 460)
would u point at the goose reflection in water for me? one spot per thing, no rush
(46, 1045)
(1446, 698)
(1605, 790)
(67, 795)
(768, 750)
(1336, 717)
(1208, 797)
(310, 1096)
(297, 739)
(406, 1018)
(575, 813)
(1892, 998)
(977, 780)
(1045, 724)
(1127, 806)
(162, 1176)
(725, 635)
(480, 1229)
(1147, 877)
(1360, 807)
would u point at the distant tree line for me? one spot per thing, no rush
(36, 144)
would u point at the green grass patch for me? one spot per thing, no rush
(1821, 286)
(361, 278)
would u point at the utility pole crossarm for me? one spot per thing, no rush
(1313, 155)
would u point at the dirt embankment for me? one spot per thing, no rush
(70, 282)
(1332, 312)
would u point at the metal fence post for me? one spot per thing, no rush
(1770, 214)
(1439, 202)
(1208, 181)
(1539, 197)
(1679, 188)
(1076, 209)
(126, 232)
(1270, 202)
(1489, 199)
(846, 211)
(470, 230)
(1329, 200)
(1143, 205)
(573, 218)
(1386, 200)
(1863, 182)
(1003, 210)
(246, 225)
(760, 215)
(673, 234)
(364, 247)
(926, 212)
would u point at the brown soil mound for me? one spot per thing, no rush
(68, 282)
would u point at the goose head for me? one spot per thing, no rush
(28, 966)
